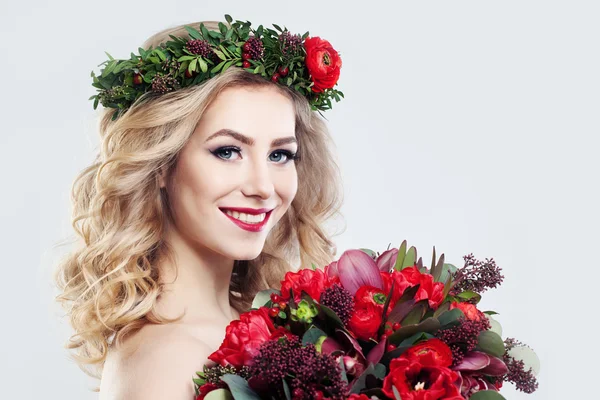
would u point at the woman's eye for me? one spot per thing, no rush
(279, 154)
(225, 153)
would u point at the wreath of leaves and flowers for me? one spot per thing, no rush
(308, 65)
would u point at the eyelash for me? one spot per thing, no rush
(289, 155)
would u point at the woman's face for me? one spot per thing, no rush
(236, 176)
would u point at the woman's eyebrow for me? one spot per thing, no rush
(248, 140)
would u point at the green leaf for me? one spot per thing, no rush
(204, 31)
(239, 387)
(186, 58)
(219, 394)
(450, 318)
(416, 314)
(370, 252)
(222, 28)
(217, 67)
(227, 65)
(401, 256)
(491, 343)
(277, 27)
(194, 34)
(263, 297)
(411, 256)
(486, 395)
(490, 312)
(447, 271)
(312, 335)
(192, 66)
(203, 65)
(220, 54)
(429, 325)
(286, 390)
(468, 295)
(228, 18)
(160, 54)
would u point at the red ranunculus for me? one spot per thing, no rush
(323, 63)
(243, 337)
(428, 289)
(400, 285)
(313, 282)
(470, 311)
(365, 321)
(369, 295)
(430, 352)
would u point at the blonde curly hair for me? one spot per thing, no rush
(110, 284)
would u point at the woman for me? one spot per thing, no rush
(200, 197)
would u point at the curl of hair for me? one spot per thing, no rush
(110, 284)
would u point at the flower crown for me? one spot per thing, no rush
(308, 65)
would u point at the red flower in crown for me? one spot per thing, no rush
(323, 63)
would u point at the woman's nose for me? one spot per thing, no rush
(259, 181)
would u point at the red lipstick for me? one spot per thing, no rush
(247, 226)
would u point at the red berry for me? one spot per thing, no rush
(282, 305)
(137, 79)
(246, 64)
(319, 395)
(275, 298)
(389, 332)
(396, 326)
(273, 312)
(384, 337)
(246, 56)
(283, 71)
(391, 347)
(247, 47)
(275, 77)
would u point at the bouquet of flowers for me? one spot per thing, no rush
(371, 326)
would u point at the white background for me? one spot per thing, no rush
(468, 125)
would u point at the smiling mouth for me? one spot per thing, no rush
(247, 221)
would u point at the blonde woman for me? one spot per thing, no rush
(199, 198)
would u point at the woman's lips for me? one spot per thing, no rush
(256, 227)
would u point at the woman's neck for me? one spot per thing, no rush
(196, 280)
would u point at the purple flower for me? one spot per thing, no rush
(474, 367)
(356, 268)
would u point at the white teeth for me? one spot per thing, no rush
(247, 218)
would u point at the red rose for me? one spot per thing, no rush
(470, 311)
(243, 337)
(313, 282)
(323, 63)
(428, 289)
(365, 321)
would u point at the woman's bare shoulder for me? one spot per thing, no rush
(157, 362)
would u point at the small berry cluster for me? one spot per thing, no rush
(477, 276)
(310, 374)
(339, 300)
(278, 305)
(462, 338)
(389, 330)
